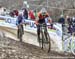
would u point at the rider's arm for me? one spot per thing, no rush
(49, 20)
(17, 22)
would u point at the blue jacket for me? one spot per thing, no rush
(61, 20)
(19, 20)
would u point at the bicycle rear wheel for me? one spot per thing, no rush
(20, 33)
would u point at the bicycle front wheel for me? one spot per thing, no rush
(46, 42)
(73, 47)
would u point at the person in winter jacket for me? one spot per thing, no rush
(31, 15)
(16, 12)
(25, 13)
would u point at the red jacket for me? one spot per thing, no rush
(16, 12)
(31, 14)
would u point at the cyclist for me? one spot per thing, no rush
(19, 22)
(42, 15)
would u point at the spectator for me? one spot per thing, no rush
(73, 20)
(31, 15)
(73, 24)
(25, 13)
(11, 14)
(61, 20)
(69, 20)
(35, 13)
(70, 29)
(16, 12)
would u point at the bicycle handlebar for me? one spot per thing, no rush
(43, 25)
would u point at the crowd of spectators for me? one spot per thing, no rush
(25, 13)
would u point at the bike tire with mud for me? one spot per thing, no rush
(47, 43)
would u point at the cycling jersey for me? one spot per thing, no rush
(19, 20)
(42, 18)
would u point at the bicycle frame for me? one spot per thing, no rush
(45, 37)
(20, 32)
(43, 28)
(73, 44)
(70, 45)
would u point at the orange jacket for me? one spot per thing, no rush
(40, 15)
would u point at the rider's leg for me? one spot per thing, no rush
(18, 33)
(22, 29)
(20, 38)
(38, 33)
(46, 35)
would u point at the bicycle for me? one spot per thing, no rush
(73, 44)
(68, 41)
(20, 32)
(70, 44)
(44, 42)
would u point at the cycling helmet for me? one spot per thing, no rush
(43, 14)
(43, 11)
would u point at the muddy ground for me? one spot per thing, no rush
(11, 49)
